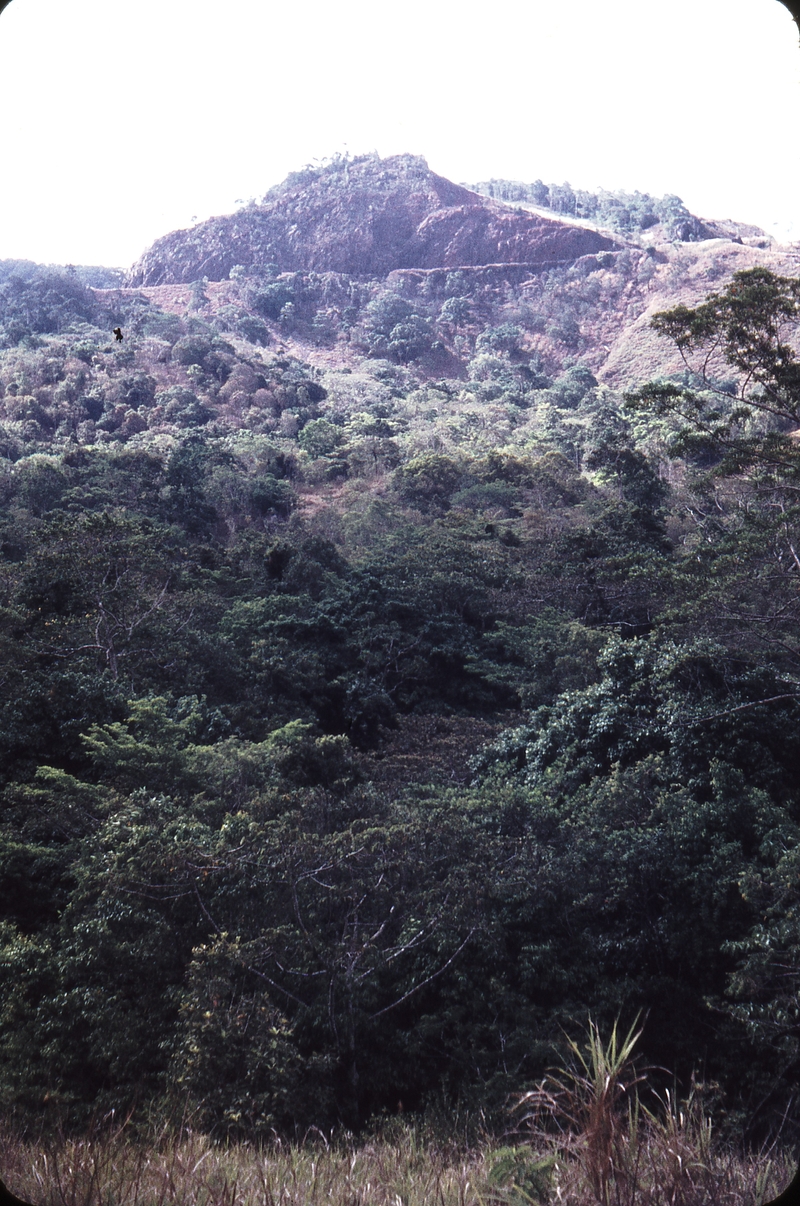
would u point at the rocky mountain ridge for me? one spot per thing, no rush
(448, 345)
(366, 217)
(333, 236)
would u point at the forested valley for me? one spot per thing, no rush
(384, 696)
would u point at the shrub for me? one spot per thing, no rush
(269, 494)
(491, 496)
(428, 480)
(320, 437)
(456, 310)
(191, 349)
(269, 300)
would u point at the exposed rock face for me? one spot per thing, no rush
(365, 218)
(495, 234)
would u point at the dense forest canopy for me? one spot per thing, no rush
(368, 720)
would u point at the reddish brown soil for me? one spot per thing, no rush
(378, 215)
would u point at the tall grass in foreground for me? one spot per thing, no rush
(584, 1138)
(191, 1170)
(606, 1147)
(673, 1167)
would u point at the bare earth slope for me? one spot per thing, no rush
(626, 350)
(365, 218)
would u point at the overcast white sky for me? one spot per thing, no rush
(124, 119)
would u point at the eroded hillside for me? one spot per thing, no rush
(365, 217)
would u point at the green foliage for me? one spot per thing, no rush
(394, 329)
(505, 338)
(685, 700)
(749, 322)
(320, 437)
(596, 1098)
(456, 310)
(235, 591)
(628, 213)
(543, 658)
(498, 498)
(737, 430)
(236, 1060)
(748, 325)
(571, 387)
(41, 301)
(269, 300)
(428, 480)
(523, 1176)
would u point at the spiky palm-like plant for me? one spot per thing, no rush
(595, 1107)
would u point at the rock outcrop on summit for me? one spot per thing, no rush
(366, 217)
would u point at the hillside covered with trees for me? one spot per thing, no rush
(398, 667)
